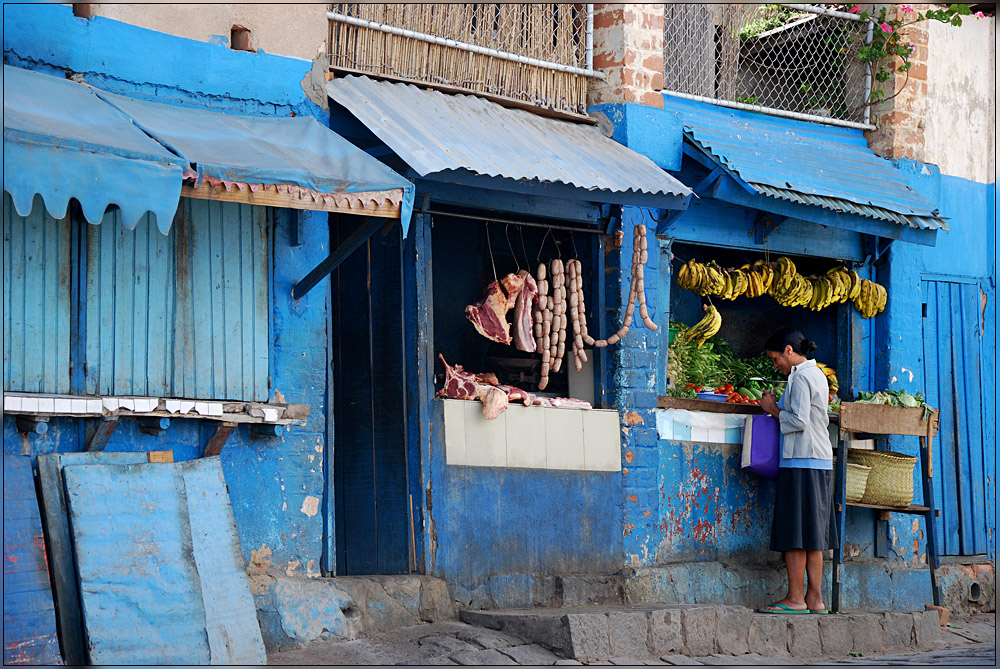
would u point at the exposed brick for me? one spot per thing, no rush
(607, 18)
(918, 71)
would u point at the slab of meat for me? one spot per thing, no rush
(462, 385)
(458, 383)
(489, 315)
(494, 401)
(562, 403)
(524, 336)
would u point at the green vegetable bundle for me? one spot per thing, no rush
(895, 398)
(686, 363)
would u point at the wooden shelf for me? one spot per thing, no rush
(913, 508)
(881, 419)
(664, 402)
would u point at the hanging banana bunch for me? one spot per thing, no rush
(871, 299)
(707, 327)
(782, 281)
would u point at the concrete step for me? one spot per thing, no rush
(600, 633)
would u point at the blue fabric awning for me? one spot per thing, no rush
(805, 163)
(67, 140)
(60, 141)
(261, 150)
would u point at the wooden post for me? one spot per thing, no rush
(930, 525)
(99, 439)
(218, 439)
(840, 504)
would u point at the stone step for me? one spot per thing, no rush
(600, 633)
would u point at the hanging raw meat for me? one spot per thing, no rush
(462, 385)
(524, 339)
(489, 315)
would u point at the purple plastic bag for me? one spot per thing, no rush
(761, 446)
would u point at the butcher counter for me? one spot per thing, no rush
(532, 437)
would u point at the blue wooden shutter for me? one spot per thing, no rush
(221, 328)
(181, 315)
(952, 327)
(36, 300)
(129, 313)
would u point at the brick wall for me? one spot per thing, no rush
(628, 48)
(632, 390)
(900, 120)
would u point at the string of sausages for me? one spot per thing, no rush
(549, 313)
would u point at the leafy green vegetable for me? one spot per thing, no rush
(686, 363)
(676, 392)
(895, 398)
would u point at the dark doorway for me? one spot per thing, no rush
(370, 480)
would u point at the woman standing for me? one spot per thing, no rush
(803, 525)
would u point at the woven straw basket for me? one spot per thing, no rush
(857, 479)
(890, 481)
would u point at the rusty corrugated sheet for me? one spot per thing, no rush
(434, 133)
(807, 163)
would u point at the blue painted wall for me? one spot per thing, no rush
(703, 508)
(965, 254)
(276, 485)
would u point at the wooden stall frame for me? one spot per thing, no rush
(866, 421)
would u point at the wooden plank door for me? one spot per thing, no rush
(951, 331)
(370, 467)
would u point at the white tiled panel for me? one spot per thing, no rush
(532, 437)
(525, 437)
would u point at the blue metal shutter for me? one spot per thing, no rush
(130, 293)
(36, 300)
(221, 329)
(182, 315)
(951, 328)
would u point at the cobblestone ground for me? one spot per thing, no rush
(971, 642)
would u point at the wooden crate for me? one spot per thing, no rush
(884, 419)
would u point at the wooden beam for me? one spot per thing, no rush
(218, 439)
(270, 197)
(346, 248)
(99, 439)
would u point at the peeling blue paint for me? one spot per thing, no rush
(269, 479)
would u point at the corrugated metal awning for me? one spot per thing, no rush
(807, 163)
(61, 141)
(437, 134)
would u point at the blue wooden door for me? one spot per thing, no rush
(370, 466)
(952, 327)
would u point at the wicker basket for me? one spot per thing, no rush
(857, 479)
(890, 481)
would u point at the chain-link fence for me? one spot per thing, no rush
(550, 33)
(791, 58)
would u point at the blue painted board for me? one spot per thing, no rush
(36, 300)
(234, 635)
(29, 625)
(64, 580)
(139, 587)
(158, 552)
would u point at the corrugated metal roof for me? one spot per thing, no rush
(808, 163)
(434, 132)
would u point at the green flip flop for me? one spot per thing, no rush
(781, 609)
(823, 611)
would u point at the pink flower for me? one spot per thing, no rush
(856, 9)
(906, 9)
(886, 28)
(979, 15)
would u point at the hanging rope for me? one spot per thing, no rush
(490, 247)
(511, 247)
